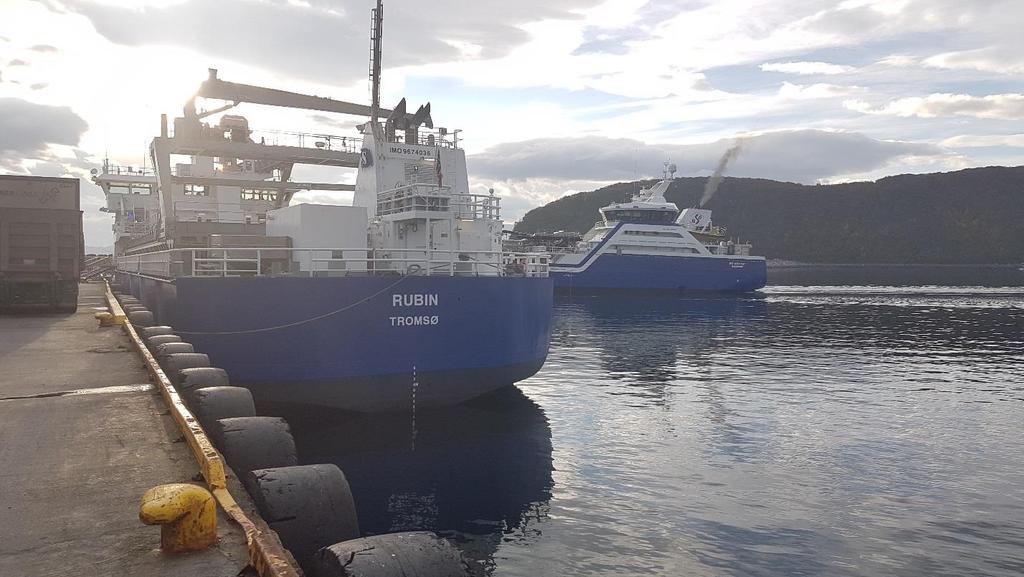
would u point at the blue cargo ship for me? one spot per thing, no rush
(403, 299)
(646, 243)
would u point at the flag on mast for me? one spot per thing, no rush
(437, 168)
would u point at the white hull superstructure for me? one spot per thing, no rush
(647, 243)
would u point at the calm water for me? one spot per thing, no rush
(814, 431)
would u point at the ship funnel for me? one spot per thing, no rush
(398, 114)
(422, 117)
(396, 120)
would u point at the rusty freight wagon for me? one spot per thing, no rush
(41, 245)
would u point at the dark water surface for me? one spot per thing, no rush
(812, 431)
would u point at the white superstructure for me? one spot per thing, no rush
(219, 184)
(132, 199)
(650, 225)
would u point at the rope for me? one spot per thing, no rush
(302, 322)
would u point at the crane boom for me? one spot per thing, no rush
(214, 87)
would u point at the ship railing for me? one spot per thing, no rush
(210, 211)
(272, 261)
(729, 248)
(416, 196)
(478, 206)
(307, 140)
(434, 198)
(438, 137)
(136, 229)
(110, 169)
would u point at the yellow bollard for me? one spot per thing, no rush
(187, 515)
(106, 319)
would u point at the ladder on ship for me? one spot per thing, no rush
(376, 29)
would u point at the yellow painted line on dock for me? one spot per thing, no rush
(266, 553)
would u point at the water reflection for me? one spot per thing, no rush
(479, 473)
(826, 431)
(820, 431)
(649, 341)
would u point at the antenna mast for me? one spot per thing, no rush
(376, 20)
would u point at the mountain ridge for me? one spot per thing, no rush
(970, 216)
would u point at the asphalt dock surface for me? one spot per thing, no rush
(83, 434)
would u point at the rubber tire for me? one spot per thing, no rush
(408, 554)
(134, 307)
(146, 332)
(154, 342)
(174, 363)
(141, 318)
(161, 352)
(309, 506)
(249, 443)
(210, 404)
(198, 378)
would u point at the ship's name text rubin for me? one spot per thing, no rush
(414, 300)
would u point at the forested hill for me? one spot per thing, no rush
(973, 216)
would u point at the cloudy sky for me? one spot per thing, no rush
(554, 96)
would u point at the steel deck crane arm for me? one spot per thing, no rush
(214, 87)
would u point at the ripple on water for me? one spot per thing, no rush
(810, 431)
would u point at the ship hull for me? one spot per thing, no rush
(366, 344)
(610, 271)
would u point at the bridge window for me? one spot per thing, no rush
(141, 188)
(656, 233)
(259, 194)
(197, 190)
(136, 214)
(640, 216)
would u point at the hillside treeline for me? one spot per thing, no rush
(973, 216)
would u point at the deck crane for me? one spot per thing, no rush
(193, 137)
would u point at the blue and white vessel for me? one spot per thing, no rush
(404, 299)
(646, 243)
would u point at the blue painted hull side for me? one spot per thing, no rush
(344, 342)
(650, 272)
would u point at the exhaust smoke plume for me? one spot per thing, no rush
(715, 179)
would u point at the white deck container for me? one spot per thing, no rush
(313, 226)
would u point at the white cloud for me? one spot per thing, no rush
(1004, 106)
(984, 141)
(28, 129)
(325, 40)
(820, 90)
(898, 61)
(807, 68)
(999, 59)
(798, 155)
(531, 173)
(519, 196)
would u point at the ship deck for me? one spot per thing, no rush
(84, 436)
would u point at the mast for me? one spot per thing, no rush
(376, 28)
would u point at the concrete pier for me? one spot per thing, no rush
(83, 434)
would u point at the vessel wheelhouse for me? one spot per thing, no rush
(647, 243)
